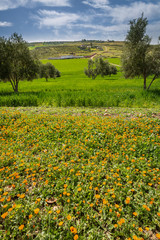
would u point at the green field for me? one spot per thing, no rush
(73, 88)
(69, 173)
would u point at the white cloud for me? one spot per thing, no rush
(118, 17)
(126, 13)
(116, 32)
(153, 30)
(120, 14)
(56, 19)
(5, 24)
(10, 4)
(54, 3)
(97, 3)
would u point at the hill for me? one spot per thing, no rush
(46, 50)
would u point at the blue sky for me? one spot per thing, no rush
(56, 20)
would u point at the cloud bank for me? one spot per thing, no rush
(5, 24)
(10, 4)
(90, 19)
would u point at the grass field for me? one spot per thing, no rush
(73, 173)
(73, 88)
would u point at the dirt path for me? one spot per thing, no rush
(115, 65)
(93, 56)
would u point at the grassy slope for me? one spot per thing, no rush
(73, 88)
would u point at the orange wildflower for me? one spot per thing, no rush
(22, 195)
(30, 216)
(4, 215)
(122, 220)
(73, 229)
(36, 211)
(76, 237)
(5, 206)
(135, 214)
(21, 227)
(5, 193)
(104, 201)
(97, 196)
(127, 201)
(146, 207)
(69, 217)
(10, 209)
(9, 199)
(135, 237)
(2, 199)
(140, 229)
(158, 235)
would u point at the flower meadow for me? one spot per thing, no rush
(79, 176)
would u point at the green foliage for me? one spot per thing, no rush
(99, 66)
(74, 88)
(96, 180)
(138, 59)
(137, 33)
(16, 62)
(17, 100)
(48, 71)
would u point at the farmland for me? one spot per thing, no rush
(77, 174)
(56, 49)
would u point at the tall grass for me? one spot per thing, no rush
(15, 100)
(73, 88)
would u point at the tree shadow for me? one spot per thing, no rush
(6, 93)
(155, 92)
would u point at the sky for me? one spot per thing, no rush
(73, 20)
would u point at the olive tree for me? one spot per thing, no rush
(16, 62)
(99, 66)
(48, 71)
(138, 58)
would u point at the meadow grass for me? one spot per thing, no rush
(70, 173)
(73, 88)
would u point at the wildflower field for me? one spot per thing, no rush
(79, 175)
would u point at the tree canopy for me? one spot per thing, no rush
(16, 62)
(138, 58)
(99, 66)
(48, 71)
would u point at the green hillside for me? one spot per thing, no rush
(74, 88)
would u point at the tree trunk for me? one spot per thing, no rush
(14, 84)
(16, 88)
(151, 82)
